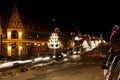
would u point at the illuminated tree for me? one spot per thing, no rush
(54, 42)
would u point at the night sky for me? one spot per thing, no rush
(88, 18)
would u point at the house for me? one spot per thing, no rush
(18, 40)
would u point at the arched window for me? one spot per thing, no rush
(14, 34)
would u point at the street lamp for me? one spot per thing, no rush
(54, 43)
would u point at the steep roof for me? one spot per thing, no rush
(15, 20)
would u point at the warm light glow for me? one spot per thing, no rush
(104, 41)
(38, 44)
(27, 44)
(54, 42)
(35, 43)
(96, 42)
(9, 50)
(85, 44)
(20, 35)
(99, 41)
(9, 35)
(43, 44)
(20, 49)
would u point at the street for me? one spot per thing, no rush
(73, 70)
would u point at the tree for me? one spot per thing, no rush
(54, 42)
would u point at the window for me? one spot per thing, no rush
(14, 34)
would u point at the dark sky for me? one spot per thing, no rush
(90, 18)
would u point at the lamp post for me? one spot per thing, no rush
(54, 43)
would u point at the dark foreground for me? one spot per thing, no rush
(85, 69)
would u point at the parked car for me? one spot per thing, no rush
(75, 55)
(59, 56)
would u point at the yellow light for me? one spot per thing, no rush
(9, 50)
(38, 44)
(27, 44)
(35, 43)
(53, 42)
(20, 35)
(20, 48)
(104, 41)
(9, 35)
(43, 44)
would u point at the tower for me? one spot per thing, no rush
(20, 41)
(14, 33)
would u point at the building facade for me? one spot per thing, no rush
(17, 40)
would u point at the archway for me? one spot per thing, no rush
(14, 50)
